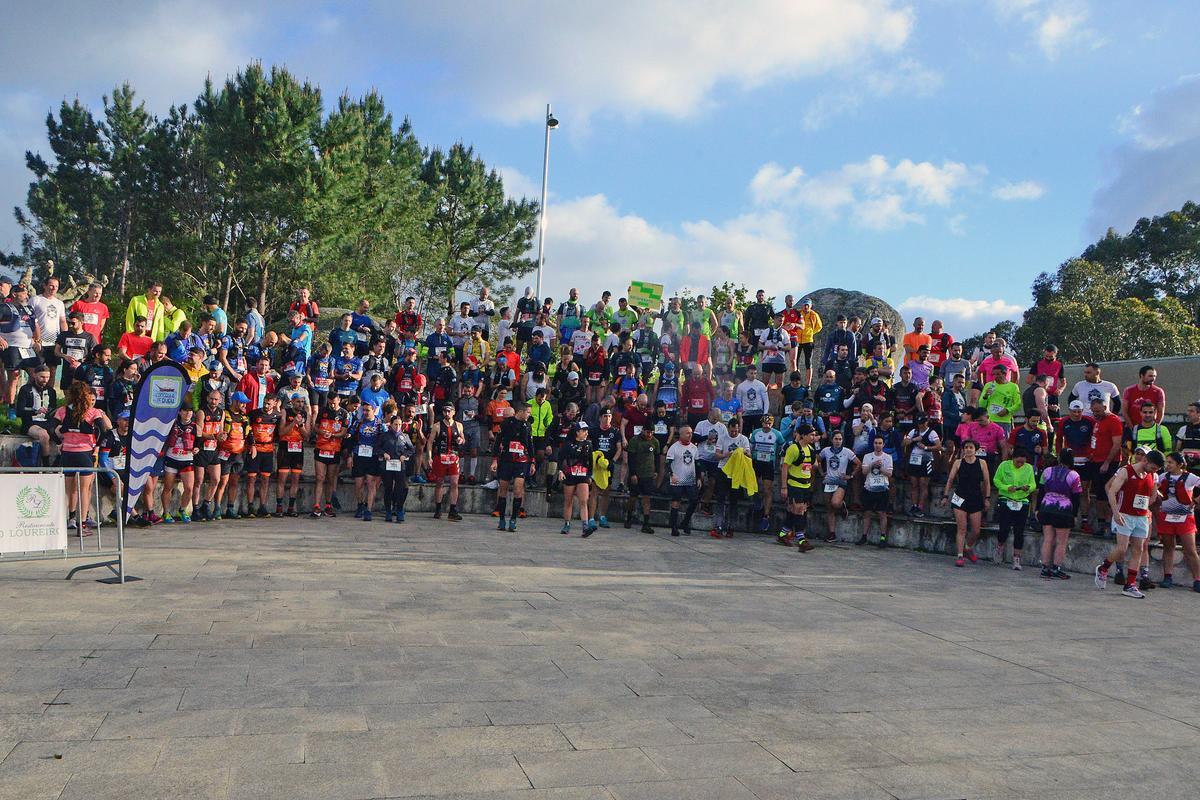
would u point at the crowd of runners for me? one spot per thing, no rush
(724, 411)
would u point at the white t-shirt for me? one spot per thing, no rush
(580, 342)
(479, 309)
(773, 343)
(1105, 390)
(460, 328)
(504, 330)
(727, 444)
(876, 467)
(611, 341)
(49, 312)
(548, 334)
(702, 431)
(681, 458)
(752, 394)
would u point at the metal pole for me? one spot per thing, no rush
(542, 222)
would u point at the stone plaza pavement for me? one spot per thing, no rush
(334, 659)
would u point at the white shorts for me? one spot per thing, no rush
(1134, 527)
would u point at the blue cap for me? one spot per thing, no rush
(240, 397)
(123, 415)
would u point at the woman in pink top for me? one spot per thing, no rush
(991, 437)
(78, 426)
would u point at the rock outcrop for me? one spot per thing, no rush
(830, 302)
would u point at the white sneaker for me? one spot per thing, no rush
(492, 484)
(1133, 591)
(1016, 563)
(1101, 577)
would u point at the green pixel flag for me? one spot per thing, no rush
(644, 294)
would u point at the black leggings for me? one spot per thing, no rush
(807, 349)
(395, 490)
(1009, 520)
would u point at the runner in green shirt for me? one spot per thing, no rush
(644, 451)
(1001, 398)
(1015, 484)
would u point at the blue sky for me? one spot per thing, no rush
(939, 154)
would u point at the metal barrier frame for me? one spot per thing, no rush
(114, 557)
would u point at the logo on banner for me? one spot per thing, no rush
(165, 392)
(33, 502)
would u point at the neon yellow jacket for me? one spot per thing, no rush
(740, 470)
(540, 417)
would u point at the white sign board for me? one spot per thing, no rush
(33, 513)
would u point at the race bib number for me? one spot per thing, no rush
(25, 352)
(437, 351)
(660, 428)
(806, 470)
(1175, 518)
(1141, 502)
(956, 500)
(323, 383)
(1079, 462)
(448, 459)
(637, 430)
(393, 465)
(118, 462)
(406, 385)
(697, 403)
(830, 488)
(593, 376)
(468, 414)
(996, 410)
(916, 457)
(99, 393)
(875, 483)
(365, 450)
(327, 453)
(516, 448)
(763, 455)
(295, 447)
(579, 471)
(1014, 505)
(210, 445)
(90, 318)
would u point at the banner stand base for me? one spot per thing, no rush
(114, 566)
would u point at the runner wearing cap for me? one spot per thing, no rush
(575, 475)
(795, 485)
(809, 325)
(235, 428)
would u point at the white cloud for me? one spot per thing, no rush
(907, 77)
(518, 185)
(962, 317)
(1056, 25)
(591, 245)
(658, 56)
(1156, 170)
(1023, 190)
(878, 195)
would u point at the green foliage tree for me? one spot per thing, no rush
(1006, 329)
(475, 236)
(1083, 311)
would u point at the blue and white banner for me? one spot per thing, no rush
(156, 403)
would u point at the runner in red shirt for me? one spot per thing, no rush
(1144, 391)
(1131, 491)
(1104, 459)
(95, 313)
(698, 396)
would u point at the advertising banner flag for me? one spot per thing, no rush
(34, 519)
(645, 295)
(156, 403)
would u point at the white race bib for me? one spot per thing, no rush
(365, 450)
(957, 501)
(295, 447)
(118, 462)
(875, 483)
(830, 488)
(1175, 518)
(393, 465)
(210, 445)
(1141, 502)
(1014, 505)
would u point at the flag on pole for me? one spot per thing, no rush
(156, 402)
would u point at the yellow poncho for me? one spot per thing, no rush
(740, 470)
(600, 473)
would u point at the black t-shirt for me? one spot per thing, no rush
(605, 441)
(76, 345)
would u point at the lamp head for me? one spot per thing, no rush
(551, 122)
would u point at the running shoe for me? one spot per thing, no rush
(1016, 563)
(185, 519)
(960, 562)
(329, 507)
(1046, 573)
(1061, 574)
(512, 525)
(804, 546)
(1101, 576)
(168, 520)
(603, 521)
(566, 528)
(366, 517)
(502, 526)
(972, 556)
(882, 542)
(715, 533)
(335, 502)
(1119, 576)
(1166, 583)
(315, 513)
(588, 530)
(763, 524)
(675, 531)
(1133, 591)
(785, 538)
(830, 537)
(1145, 584)
(861, 540)
(646, 528)
(454, 516)
(358, 511)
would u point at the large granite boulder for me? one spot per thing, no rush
(831, 302)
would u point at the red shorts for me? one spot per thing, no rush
(1174, 528)
(440, 469)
